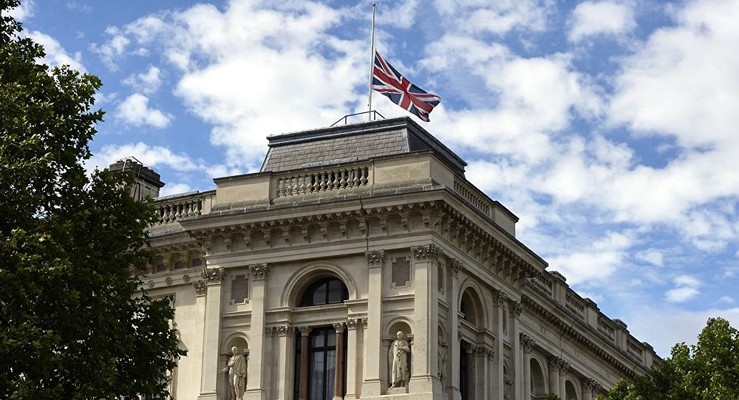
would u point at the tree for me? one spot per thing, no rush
(707, 370)
(75, 322)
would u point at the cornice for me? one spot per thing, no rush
(568, 328)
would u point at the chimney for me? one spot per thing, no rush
(146, 181)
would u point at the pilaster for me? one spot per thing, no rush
(285, 370)
(425, 321)
(211, 330)
(257, 368)
(372, 384)
(453, 391)
(353, 330)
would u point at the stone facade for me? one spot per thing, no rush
(314, 267)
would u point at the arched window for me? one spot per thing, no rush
(538, 386)
(570, 391)
(324, 291)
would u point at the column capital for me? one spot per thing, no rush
(592, 385)
(259, 272)
(339, 326)
(199, 288)
(375, 258)
(304, 330)
(453, 266)
(213, 275)
(355, 323)
(516, 309)
(527, 342)
(502, 298)
(427, 252)
(284, 330)
(559, 364)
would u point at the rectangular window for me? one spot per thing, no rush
(239, 289)
(160, 265)
(401, 272)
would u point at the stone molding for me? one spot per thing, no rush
(259, 272)
(427, 252)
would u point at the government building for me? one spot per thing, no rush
(359, 263)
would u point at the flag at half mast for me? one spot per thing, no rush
(390, 83)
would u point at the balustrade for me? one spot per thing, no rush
(477, 200)
(605, 328)
(309, 182)
(170, 210)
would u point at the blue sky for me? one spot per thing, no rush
(611, 128)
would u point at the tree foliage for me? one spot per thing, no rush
(707, 370)
(75, 322)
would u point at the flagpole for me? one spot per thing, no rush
(372, 61)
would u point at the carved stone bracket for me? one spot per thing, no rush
(527, 342)
(375, 258)
(259, 272)
(213, 275)
(428, 252)
(199, 288)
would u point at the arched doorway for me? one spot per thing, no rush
(538, 383)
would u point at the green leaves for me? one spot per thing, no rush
(708, 370)
(73, 321)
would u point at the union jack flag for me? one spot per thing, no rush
(390, 83)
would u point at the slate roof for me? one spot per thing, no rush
(354, 142)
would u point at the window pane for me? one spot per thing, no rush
(317, 379)
(239, 289)
(330, 373)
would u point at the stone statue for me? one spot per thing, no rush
(236, 369)
(401, 351)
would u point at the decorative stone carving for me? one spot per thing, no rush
(259, 271)
(355, 323)
(516, 309)
(502, 299)
(400, 371)
(236, 370)
(559, 364)
(339, 326)
(527, 342)
(168, 280)
(284, 330)
(199, 288)
(214, 275)
(592, 385)
(375, 258)
(428, 252)
(186, 278)
(454, 266)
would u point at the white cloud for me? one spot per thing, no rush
(499, 17)
(151, 156)
(686, 288)
(246, 69)
(663, 327)
(595, 262)
(591, 18)
(135, 110)
(55, 53)
(146, 82)
(651, 256)
(24, 11)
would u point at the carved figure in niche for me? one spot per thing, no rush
(401, 351)
(236, 370)
(442, 362)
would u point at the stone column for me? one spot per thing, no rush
(454, 346)
(424, 354)
(257, 369)
(353, 325)
(372, 384)
(554, 363)
(564, 369)
(590, 389)
(304, 362)
(527, 344)
(286, 354)
(482, 371)
(499, 382)
(211, 332)
(339, 376)
(516, 310)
